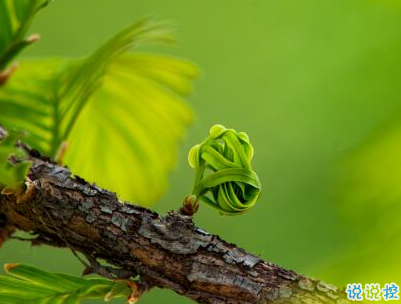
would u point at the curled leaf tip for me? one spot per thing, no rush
(193, 156)
(216, 130)
(224, 176)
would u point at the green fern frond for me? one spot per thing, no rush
(32, 285)
(84, 78)
(130, 103)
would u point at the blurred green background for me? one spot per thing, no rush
(315, 84)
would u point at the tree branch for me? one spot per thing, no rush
(167, 252)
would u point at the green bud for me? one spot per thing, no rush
(224, 176)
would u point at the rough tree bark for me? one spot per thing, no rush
(167, 252)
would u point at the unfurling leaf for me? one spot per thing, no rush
(232, 187)
(28, 284)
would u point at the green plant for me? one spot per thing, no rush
(233, 185)
(132, 103)
(33, 285)
(60, 103)
(16, 16)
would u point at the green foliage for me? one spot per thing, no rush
(122, 114)
(233, 185)
(27, 284)
(12, 174)
(16, 16)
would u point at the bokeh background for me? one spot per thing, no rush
(316, 84)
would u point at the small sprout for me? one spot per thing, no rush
(190, 205)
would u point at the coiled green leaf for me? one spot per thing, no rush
(224, 176)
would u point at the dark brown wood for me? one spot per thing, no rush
(167, 251)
